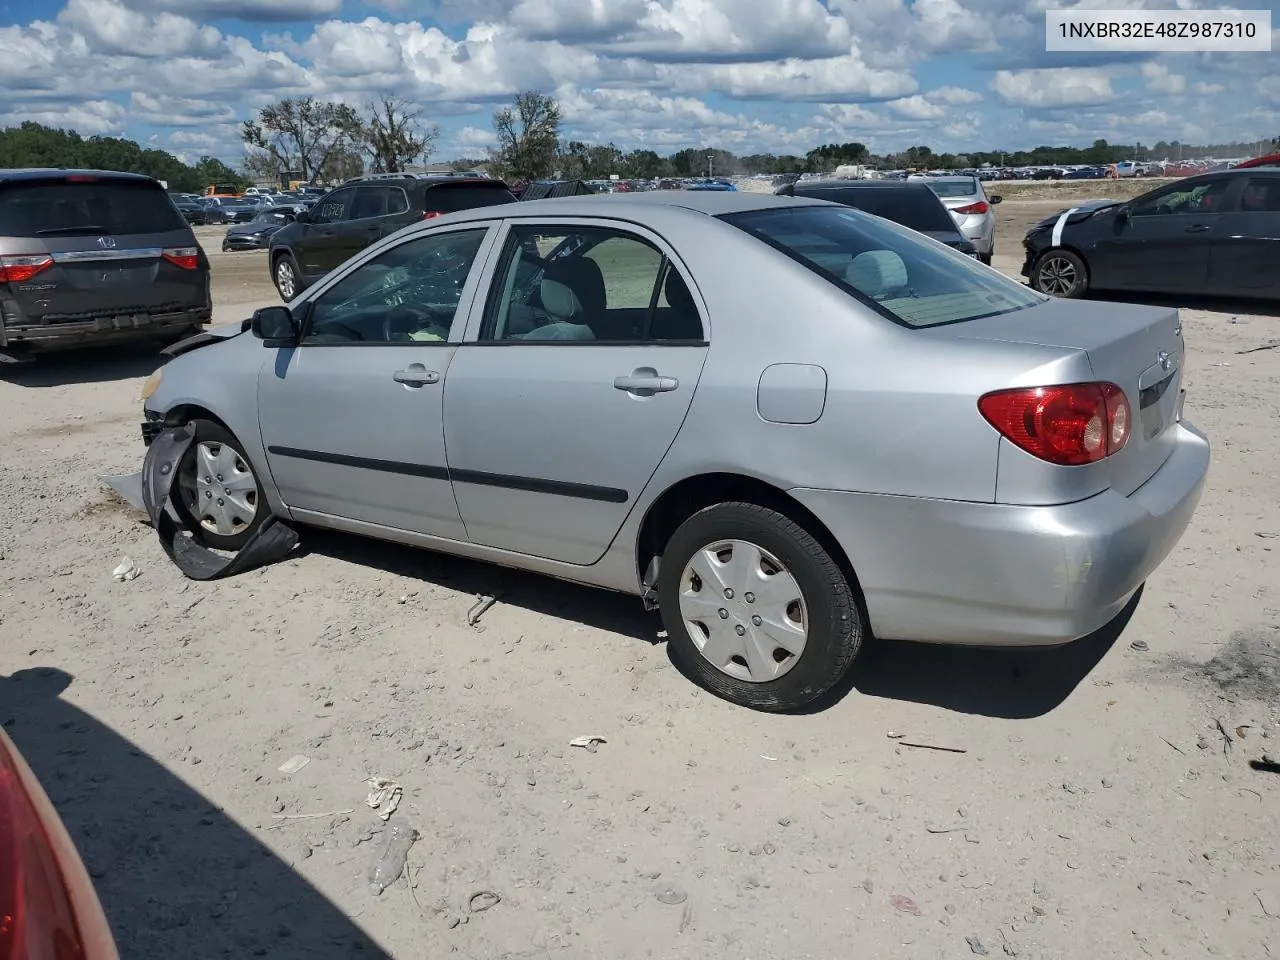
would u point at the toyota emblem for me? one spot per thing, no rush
(1164, 360)
(107, 243)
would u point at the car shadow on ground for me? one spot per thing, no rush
(100, 365)
(176, 876)
(1009, 683)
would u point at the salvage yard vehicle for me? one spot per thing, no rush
(972, 209)
(363, 211)
(91, 257)
(257, 233)
(1212, 235)
(48, 907)
(787, 424)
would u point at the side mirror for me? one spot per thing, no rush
(1123, 213)
(275, 327)
(302, 217)
(996, 198)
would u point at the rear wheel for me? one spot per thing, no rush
(217, 495)
(756, 609)
(287, 277)
(1060, 273)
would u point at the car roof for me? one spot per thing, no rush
(837, 184)
(47, 173)
(711, 203)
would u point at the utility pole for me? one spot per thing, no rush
(711, 159)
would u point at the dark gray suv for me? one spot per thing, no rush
(88, 257)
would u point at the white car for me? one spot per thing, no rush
(972, 209)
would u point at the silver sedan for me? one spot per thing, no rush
(788, 425)
(972, 209)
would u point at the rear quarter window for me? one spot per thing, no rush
(105, 207)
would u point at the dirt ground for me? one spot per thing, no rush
(1100, 802)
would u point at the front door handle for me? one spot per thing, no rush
(1198, 228)
(415, 375)
(646, 382)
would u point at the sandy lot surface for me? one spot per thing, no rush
(1104, 805)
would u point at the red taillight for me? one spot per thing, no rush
(1070, 425)
(973, 209)
(431, 214)
(37, 918)
(81, 178)
(185, 257)
(20, 269)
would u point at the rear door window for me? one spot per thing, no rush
(452, 197)
(48, 208)
(369, 202)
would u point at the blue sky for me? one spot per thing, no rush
(745, 75)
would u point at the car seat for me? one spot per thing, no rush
(679, 320)
(878, 274)
(573, 290)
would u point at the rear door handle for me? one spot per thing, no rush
(646, 384)
(415, 375)
(1198, 228)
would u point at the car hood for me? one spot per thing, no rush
(1080, 212)
(253, 228)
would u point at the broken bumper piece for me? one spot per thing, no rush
(149, 492)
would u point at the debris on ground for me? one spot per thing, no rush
(1140, 645)
(294, 764)
(976, 946)
(671, 894)
(932, 746)
(390, 863)
(127, 570)
(483, 900)
(590, 744)
(904, 904)
(384, 795)
(479, 608)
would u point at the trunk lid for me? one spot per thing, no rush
(1138, 348)
(99, 243)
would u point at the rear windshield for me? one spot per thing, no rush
(104, 207)
(452, 197)
(953, 188)
(908, 278)
(917, 209)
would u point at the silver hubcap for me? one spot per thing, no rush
(744, 611)
(219, 489)
(284, 279)
(1058, 276)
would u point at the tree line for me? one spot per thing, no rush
(302, 138)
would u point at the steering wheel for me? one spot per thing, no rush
(404, 319)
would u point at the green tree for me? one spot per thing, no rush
(394, 136)
(528, 137)
(642, 165)
(301, 134)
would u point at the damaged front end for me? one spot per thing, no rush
(149, 491)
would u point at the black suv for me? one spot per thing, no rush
(88, 256)
(365, 210)
(908, 202)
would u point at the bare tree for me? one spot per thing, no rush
(394, 135)
(528, 137)
(301, 133)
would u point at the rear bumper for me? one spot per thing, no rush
(19, 337)
(991, 574)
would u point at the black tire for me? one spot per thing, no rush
(834, 619)
(1060, 273)
(986, 257)
(209, 432)
(286, 261)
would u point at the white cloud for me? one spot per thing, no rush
(916, 108)
(1160, 80)
(1057, 87)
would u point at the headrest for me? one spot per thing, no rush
(584, 281)
(677, 292)
(877, 273)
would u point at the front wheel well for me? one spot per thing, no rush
(186, 412)
(681, 501)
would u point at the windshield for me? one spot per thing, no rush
(953, 188)
(908, 278)
(273, 217)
